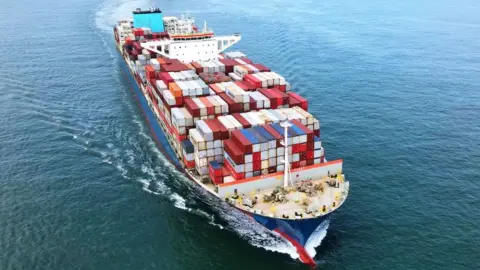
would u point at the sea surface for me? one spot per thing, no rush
(395, 84)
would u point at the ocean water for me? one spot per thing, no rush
(395, 84)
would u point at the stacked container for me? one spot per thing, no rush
(212, 133)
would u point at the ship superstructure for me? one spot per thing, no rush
(234, 127)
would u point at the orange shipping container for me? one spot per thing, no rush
(176, 91)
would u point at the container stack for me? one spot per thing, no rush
(211, 132)
(188, 154)
(227, 128)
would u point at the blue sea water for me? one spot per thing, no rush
(395, 84)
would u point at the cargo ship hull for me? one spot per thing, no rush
(297, 232)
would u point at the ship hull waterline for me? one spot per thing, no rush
(297, 232)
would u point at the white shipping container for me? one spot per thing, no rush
(248, 158)
(204, 130)
(272, 162)
(234, 121)
(188, 117)
(269, 76)
(264, 155)
(240, 70)
(222, 103)
(240, 61)
(255, 70)
(262, 79)
(178, 119)
(209, 144)
(161, 85)
(234, 76)
(168, 96)
(226, 123)
(201, 106)
(216, 105)
(197, 139)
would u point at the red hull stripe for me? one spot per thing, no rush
(304, 257)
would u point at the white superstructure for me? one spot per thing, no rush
(186, 42)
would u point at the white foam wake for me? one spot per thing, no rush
(316, 238)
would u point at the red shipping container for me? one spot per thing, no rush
(310, 145)
(294, 148)
(302, 147)
(303, 102)
(242, 120)
(232, 106)
(316, 132)
(272, 169)
(257, 157)
(274, 99)
(229, 64)
(292, 102)
(310, 154)
(209, 105)
(189, 164)
(246, 60)
(233, 151)
(249, 86)
(179, 101)
(303, 163)
(302, 156)
(150, 71)
(295, 165)
(197, 66)
(216, 88)
(282, 88)
(257, 166)
(310, 162)
(242, 85)
(192, 107)
(253, 80)
(238, 176)
(242, 142)
(217, 180)
(282, 97)
(220, 132)
(253, 104)
(214, 172)
(225, 172)
(166, 78)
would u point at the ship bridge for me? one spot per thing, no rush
(187, 43)
(194, 47)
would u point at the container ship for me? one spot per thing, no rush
(233, 126)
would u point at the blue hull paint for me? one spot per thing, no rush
(151, 118)
(297, 230)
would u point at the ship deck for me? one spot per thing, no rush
(294, 203)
